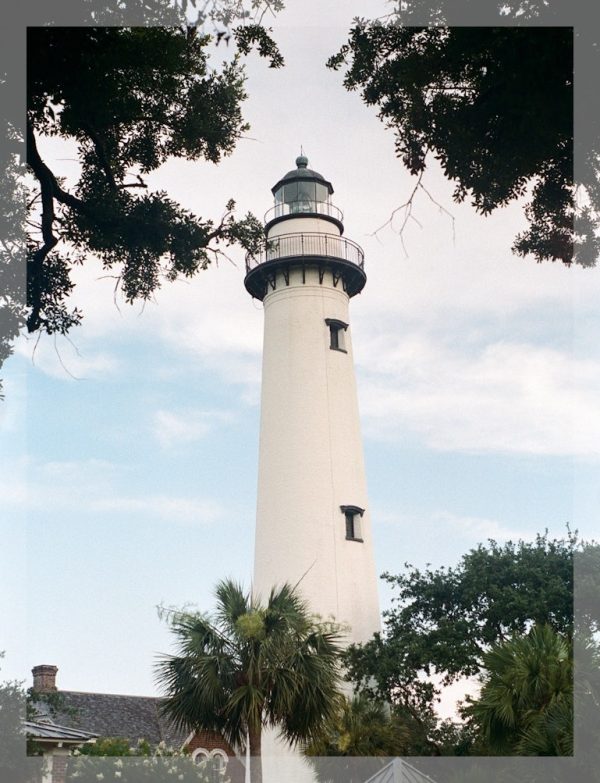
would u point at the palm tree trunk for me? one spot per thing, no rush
(255, 738)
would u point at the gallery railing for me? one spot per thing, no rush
(305, 245)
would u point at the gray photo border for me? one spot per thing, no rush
(579, 14)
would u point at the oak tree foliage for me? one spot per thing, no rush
(130, 99)
(494, 105)
(13, 199)
(445, 621)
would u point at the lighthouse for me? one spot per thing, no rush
(313, 523)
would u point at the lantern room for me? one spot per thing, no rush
(303, 191)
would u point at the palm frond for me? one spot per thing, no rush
(252, 665)
(525, 704)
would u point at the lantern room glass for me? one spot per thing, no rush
(301, 196)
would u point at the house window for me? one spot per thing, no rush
(352, 516)
(214, 762)
(337, 334)
(220, 760)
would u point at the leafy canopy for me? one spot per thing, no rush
(130, 99)
(494, 105)
(13, 765)
(444, 621)
(360, 728)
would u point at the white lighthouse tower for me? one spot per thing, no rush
(313, 523)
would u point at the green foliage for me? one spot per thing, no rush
(123, 765)
(49, 703)
(12, 712)
(252, 665)
(130, 99)
(114, 746)
(446, 618)
(12, 217)
(360, 727)
(14, 764)
(587, 586)
(525, 706)
(445, 621)
(365, 734)
(494, 105)
(255, 35)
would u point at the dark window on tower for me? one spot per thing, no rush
(337, 334)
(352, 516)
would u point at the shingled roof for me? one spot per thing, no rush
(133, 718)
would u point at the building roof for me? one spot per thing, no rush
(112, 715)
(398, 770)
(50, 731)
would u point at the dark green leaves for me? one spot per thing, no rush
(451, 615)
(525, 706)
(130, 99)
(494, 105)
(249, 36)
(445, 621)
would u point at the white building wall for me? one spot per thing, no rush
(311, 458)
(304, 225)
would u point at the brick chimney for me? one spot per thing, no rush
(44, 678)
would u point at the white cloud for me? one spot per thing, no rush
(14, 405)
(209, 320)
(67, 359)
(173, 428)
(477, 529)
(441, 282)
(92, 486)
(214, 322)
(176, 510)
(504, 397)
(471, 530)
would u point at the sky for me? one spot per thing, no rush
(130, 450)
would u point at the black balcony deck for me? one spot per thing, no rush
(344, 258)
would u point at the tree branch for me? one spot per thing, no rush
(36, 262)
(43, 173)
(139, 184)
(102, 157)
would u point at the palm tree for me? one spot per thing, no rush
(252, 666)
(361, 727)
(358, 741)
(525, 706)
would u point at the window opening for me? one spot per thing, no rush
(219, 765)
(200, 755)
(352, 516)
(337, 334)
